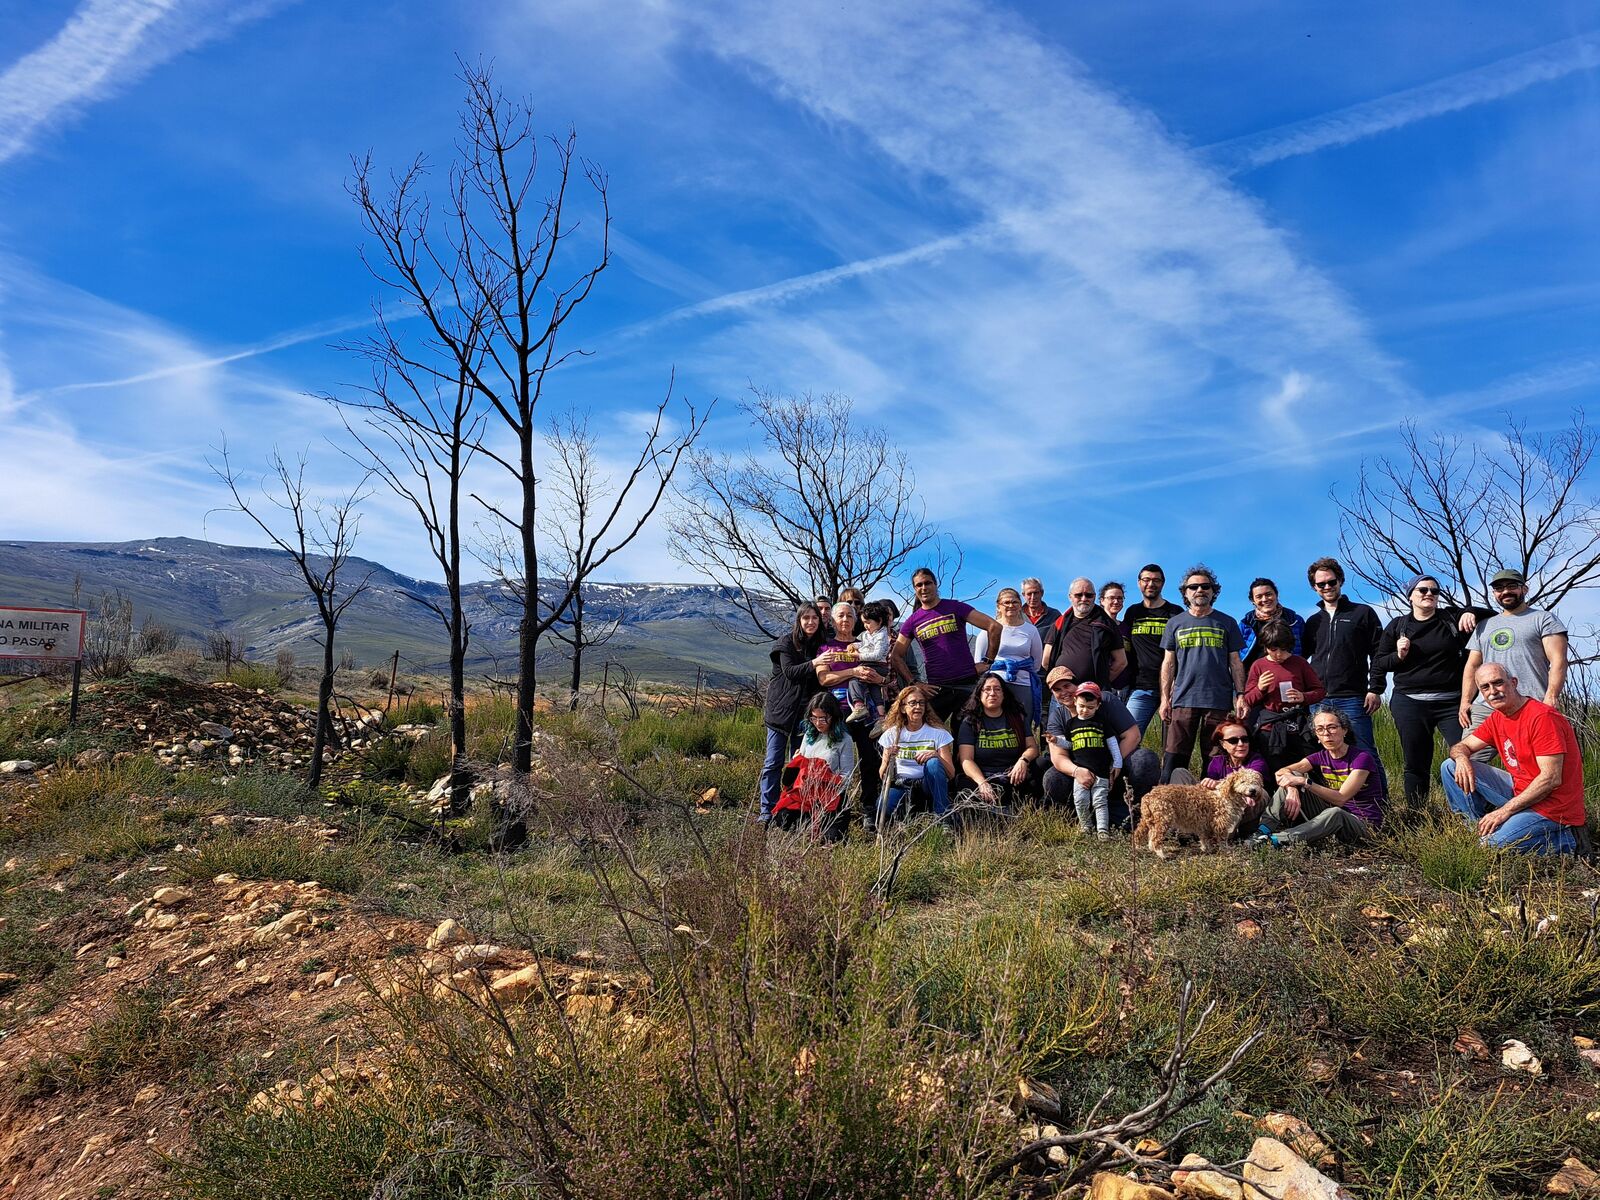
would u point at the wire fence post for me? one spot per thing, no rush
(605, 680)
(394, 671)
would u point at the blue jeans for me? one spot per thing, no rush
(1142, 705)
(1526, 831)
(780, 749)
(1354, 707)
(935, 786)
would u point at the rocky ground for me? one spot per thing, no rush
(140, 990)
(254, 966)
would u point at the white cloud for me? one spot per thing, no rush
(105, 45)
(1465, 89)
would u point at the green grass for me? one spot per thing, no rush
(778, 992)
(288, 854)
(255, 677)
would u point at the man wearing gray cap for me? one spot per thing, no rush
(1531, 643)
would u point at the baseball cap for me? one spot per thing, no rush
(1057, 674)
(1089, 689)
(1507, 576)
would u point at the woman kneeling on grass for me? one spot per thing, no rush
(815, 779)
(916, 753)
(995, 747)
(1336, 791)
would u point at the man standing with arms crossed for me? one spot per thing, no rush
(1202, 674)
(1340, 639)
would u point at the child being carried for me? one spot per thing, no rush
(872, 650)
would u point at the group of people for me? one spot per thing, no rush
(1052, 706)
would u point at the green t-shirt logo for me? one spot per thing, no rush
(1501, 639)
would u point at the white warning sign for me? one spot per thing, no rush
(49, 633)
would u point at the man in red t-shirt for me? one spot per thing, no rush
(1536, 804)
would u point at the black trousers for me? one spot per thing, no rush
(1415, 720)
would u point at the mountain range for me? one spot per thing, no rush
(665, 631)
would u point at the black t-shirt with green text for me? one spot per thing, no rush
(996, 745)
(1089, 743)
(1142, 627)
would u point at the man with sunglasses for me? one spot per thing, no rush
(1085, 639)
(1530, 643)
(1202, 674)
(1341, 639)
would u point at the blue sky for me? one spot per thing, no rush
(1129, 282)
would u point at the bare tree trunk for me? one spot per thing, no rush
(460, 782)
(528, 635)
(319, 744)
(577, 647)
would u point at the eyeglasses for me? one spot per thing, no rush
(1507, 585)
(1234, 741)
(1324, 584)
(1326, 728)
(915, 704)
(1426, 591)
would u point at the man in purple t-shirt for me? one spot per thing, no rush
(940, 628)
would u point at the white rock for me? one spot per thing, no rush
(292, 922)
(1515, 1056)
(167, 897)
(448, 933)
(481, 955)
(213, 730)
(18, 766)
(1281, 1174)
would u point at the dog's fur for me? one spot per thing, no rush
(1211, 815)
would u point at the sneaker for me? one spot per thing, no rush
(1104, 835)
(1264, 837)
(858, 712)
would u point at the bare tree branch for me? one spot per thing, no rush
(319, 539)
(825, 502)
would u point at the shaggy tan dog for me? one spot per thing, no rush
(1211, 815)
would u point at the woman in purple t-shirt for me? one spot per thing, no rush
(939, 627)
(1336, 791)
(1231, 751)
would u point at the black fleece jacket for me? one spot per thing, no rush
(794, 681)
(1437, 657)
(1341, 648)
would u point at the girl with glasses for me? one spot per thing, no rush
(1425, 649)
(1016, 660)
(1334, 792)
(916, 753)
